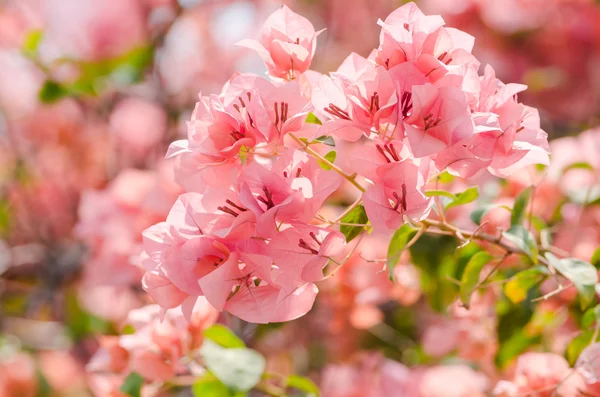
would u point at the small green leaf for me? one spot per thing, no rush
(133, 384)
(470, 276)
(240, 369)
(303, 384)
(52, 92)
(523, 240)
(326, 140)
(446, 177)
(579, 165)
(223, 336)
(517, 287)
(209, 386)
(357, 216)
(590, 317)
(465, 197)
(312, 119)
(329, 157)
(432, 193)
(520, 206)
(397, 244)
(595, 261)
(576, 346)
(32, 42)
(582, 274)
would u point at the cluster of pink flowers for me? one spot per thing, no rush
(534, 374)
(244, 235)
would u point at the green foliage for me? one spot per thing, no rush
(303, 384)
(209, 386)
(397, 245)
(590, 317)
(514, 336)
(223, 336)
(440, 262)
(52, 92)
(523, 240)
(357, 216)
(463, 198)
(582, 274)
(326, 140)
(133, 384)
(329, 157)
(240, 369)
(517, 288)
(470, 277)
(442, 193)
(520, 206)
(579, 343)
(32, 42)
(312, 119)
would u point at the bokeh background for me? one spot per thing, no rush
(91, 94)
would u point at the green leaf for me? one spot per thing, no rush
(432, 193)
(523, 240)
(329, 157)
(326, 140)
(357, 216)
(133, 384)
(240, 369)
(471, 274)
(576, 346)
(303, 384)
(596, 258)
(520, 206)
(465, 197)
(590, 317)
(517, 287)
(209, 386)
(397, 244)
(312, 119)
(579, 165)
(480, 212)
(52, 92)
(582, 274)
(32, 42)
(223, 336)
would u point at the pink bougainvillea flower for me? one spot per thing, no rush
(263, 303)
(301, 252)
(398, 192)
(287, 43)
(292, 190)
(440, 118)
(403, 33)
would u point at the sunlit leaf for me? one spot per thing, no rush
(303, 384)
(590, 317)
(209, 386)
(520, 206)
(329, 157)
(223, 336)
(471, 274)
(240, 369)
(358, 216)
(523, 240)
(397, 245)
(312, 119)
(580, 342)
(465, 197)
(433, 193)
(517, 287)
(582, 274)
